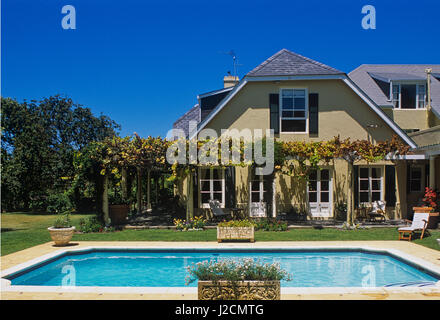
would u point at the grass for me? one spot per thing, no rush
(24, 230)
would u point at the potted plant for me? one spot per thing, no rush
(62, 230)
(236, 230)
(118, 212)
(430, 200)
(245, 279)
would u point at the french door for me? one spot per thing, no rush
(258, 196)
(320, 193)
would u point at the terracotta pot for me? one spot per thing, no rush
(61, 236)
(118, 213)
(239, 290)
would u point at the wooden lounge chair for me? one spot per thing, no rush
(217, 211)
(419, 223)
(378, 211)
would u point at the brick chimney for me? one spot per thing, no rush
(230, 81)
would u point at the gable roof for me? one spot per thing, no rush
(304, 66)
(192, 114)
(365, 74)
(285, 62)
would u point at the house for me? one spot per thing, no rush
(304, 100)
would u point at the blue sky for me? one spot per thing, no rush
(143, 62)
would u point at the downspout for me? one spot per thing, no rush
(428, 107)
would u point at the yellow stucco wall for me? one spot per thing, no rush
(341, 111)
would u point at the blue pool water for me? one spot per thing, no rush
(155, 268)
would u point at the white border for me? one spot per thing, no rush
(7, 287)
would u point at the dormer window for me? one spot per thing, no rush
(408, 95)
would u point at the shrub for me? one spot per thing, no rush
(91, 224)
(235, 270)
(58, 203)
(270, 225)
(237, 223)
(63, 221)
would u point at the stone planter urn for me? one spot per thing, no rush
(61, 236)
(118, 213)
(433, 216)
(239, 290)
(235, 233)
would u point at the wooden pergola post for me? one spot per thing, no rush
(350, 196)
(148, 189)
(124, 190)
(105, 208)
(190, 199)
(139, 190)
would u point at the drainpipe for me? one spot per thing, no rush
(428, 107)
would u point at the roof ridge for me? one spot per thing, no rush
(268, 60)
(314, 61)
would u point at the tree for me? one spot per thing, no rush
(39, 140)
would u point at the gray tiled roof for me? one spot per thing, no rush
(285, 63)
(362, 76)
(191, 115)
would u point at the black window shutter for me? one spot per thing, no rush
(390, 185)
(313, 112)
(274, 108)
(408, 175)
(356, 185)
(230, 187)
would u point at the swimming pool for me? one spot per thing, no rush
(99, 267)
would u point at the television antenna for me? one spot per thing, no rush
(235, 63)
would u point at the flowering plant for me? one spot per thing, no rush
(235, 270)
(193, 223)
(430, 198)
(236, 223)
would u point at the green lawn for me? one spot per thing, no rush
(21, 231)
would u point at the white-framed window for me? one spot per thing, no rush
(258, 189)
(212, 186)
(370, 184)
(293, 110)
(408, 95)
(415, 178)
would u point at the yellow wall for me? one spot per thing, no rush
(341, 111)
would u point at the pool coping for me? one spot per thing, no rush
(410, 259)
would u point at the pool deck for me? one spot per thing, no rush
(407, 250)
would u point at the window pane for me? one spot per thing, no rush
(204, 186)
(293, 125)
(313, 185)
(255, 197)
(287, 103)
(415, 185)
(375, 172)
(416, 173)
(324, 197)
(300, 93)
(375, 185)
(324, 185)
(363, 172)
(217, 196)
(408, 95)
(255, 185)
(287, 114)
(363, 197)
(205, 197)
(325, 175)
(300, 103)
(313, 175)
(287, 93)
(216, 174)
(313, 197)
(217, 186)
(364, 185)
(375, 196)
(299, 114)
(204, 174)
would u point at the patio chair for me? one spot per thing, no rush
(378, 211)
(419, 223)
(217, 210)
